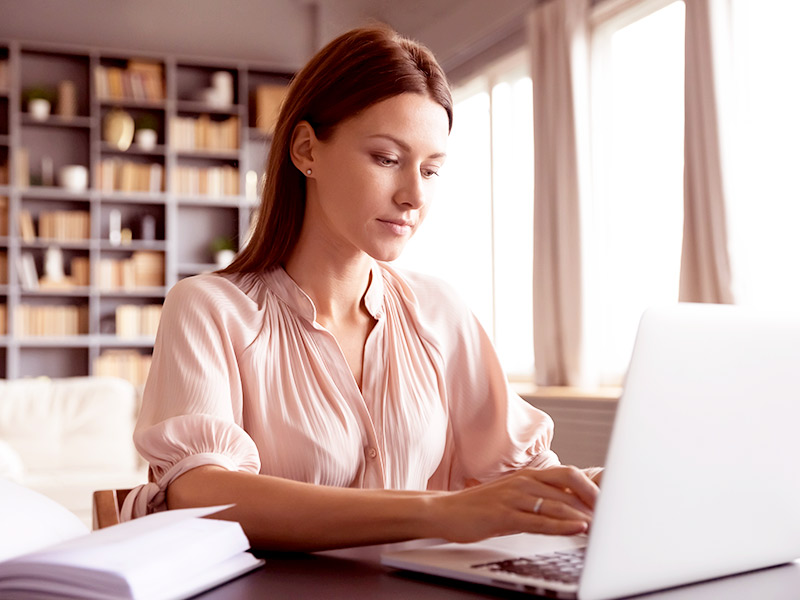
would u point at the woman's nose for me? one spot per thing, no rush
(411, 192)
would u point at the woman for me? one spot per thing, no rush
(333, 399)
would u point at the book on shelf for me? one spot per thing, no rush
(47, 552)
(116, 175)
(23, 172)
(4, 76)
(26, 228)
(203, 133)
(3, 215)
(268, 100)
(3, 319)
(134, 321)
(140, 81)
(209, 181)
(64, 225)
(126, 364)
(143, 269)
(3, 267)
(51, 320)
(26, 271)
(79, 270)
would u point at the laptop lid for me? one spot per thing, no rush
(701, 476)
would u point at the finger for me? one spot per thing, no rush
(549, 526)
(572, 479)
(556, 509)
(535, 488)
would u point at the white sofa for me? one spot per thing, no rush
(67, 437)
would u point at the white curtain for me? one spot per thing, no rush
(558, 32)
(705, 263)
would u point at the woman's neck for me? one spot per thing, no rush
(335, 285)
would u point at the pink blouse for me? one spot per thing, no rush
(243, 377)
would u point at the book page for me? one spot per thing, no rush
(31, 521)
(164, 555)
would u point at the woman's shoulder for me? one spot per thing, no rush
(216, 289)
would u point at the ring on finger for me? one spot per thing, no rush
(538, 506)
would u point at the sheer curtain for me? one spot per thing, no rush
(705, 264)
(559, 60)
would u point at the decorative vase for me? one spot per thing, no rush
(39, 109)
(224, 257)
(146, 139)
(75, 178)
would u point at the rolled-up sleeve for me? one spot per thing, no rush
(192, 406)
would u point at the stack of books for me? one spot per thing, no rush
(46, 552)
(38, 320)
(141, 81)
(189, 133)
(142, 269)
(125, 364)
(209, 181)
(64, 225)
(134, 321)
(117, 175)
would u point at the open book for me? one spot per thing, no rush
(46, 551)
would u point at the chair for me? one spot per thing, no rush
(106, 507)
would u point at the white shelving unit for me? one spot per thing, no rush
(185, 223)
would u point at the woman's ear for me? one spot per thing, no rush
(301, 148)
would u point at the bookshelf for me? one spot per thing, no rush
(98, 220)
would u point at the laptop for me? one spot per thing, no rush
(701, 475)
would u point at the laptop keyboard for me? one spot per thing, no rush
(564, 566)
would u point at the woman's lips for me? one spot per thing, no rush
(398, 227)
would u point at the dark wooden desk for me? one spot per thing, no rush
(357, 574)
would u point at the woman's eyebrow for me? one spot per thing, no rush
(403, 146)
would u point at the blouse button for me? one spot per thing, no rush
(372, 452)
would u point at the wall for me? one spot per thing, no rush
(280, 33)
(456, 30)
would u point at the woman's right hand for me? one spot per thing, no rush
(555, 500)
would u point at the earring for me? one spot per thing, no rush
(308, 171)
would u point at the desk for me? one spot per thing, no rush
(356, 573)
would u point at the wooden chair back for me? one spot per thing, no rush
(106, 507)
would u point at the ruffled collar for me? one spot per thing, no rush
(287, 290)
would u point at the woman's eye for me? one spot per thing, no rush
(430, 173)
(386, 161)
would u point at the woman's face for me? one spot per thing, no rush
(373, 180)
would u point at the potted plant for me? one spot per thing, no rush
(223, 250)
(39, 99)
(146, 134)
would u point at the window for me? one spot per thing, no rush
(479, 233)
(763, 201)
(633, 225)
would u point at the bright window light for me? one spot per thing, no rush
(633, 233)
(479, 233)
(764, 198)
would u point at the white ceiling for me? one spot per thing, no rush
(283, 33)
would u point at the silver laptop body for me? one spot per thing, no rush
(701, 478)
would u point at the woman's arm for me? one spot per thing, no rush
(280, 514)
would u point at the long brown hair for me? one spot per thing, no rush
(356, 70)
